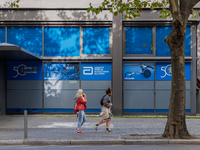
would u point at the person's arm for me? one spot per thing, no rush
(83, 100)
(105, 101)
(109, 104)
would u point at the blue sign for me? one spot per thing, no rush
(61, 71)
(23, 70)
(95, 71)
(138, 71)
(164, 71)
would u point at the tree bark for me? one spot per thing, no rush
(176, 125)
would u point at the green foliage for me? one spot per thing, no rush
(15, 4)
(132, 8)
(164, 13)
(152, 48)
(193, 16)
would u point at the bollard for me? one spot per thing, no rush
(25, 124)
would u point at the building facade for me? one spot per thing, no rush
(73, 49)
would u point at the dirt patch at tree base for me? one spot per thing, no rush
(149, 136)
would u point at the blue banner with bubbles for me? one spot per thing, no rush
(61, 71)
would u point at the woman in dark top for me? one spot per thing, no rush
(106, 114)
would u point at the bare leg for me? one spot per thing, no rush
(102, 121)
(108, 123)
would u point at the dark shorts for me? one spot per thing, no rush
(108, 117)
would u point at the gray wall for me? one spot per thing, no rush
(24, 94)
(94, 91)
(2, 87)
(163, 91)
(138, 94)
(60, 94)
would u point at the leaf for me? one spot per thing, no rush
(88, 10)
(152, 47)
(115, 13)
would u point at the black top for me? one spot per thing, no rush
(106, 100)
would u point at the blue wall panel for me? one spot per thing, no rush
(29, 38)
(95, 71)
(24, 86)
(61, 41)
(138, 40)
(61, 71)
(24, 70)
(95, 40)
(139, 71)
(164, 71)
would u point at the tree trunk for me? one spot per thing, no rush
(176, 125)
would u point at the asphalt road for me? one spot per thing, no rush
(100, 147)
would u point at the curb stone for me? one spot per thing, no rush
(147, 142)
(47, 142)
(184, 141)
(11, 142)
(101, 142)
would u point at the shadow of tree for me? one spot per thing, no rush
(56, 72)
(61, 41)
(78, 15)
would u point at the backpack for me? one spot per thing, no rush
(101, 102)
(75, 104)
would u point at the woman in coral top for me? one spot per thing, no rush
(81, 101)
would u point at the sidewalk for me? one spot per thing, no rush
(61, 131)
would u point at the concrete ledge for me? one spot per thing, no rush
(147, 142)
(185, 141)
(11, 142)
(50, 142)
(104, 142)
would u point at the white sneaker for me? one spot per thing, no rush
(95, 127)
(108, 131)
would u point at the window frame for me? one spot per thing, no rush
(124, 41)
(96, 55)
(58, 25)
(24, 25)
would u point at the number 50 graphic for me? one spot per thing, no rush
(167, 70)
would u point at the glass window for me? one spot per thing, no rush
(162, 48)
(95, 40)
(29, 38)
(61, 41)
(2, 34)
(138, 40)
(61, 82)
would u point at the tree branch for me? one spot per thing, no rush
(194, 2)
(186, 9)
(174, 5)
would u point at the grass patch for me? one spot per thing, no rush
(97, 116)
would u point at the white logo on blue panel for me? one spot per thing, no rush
(22, 70)
(167, 70)
(88, 70)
